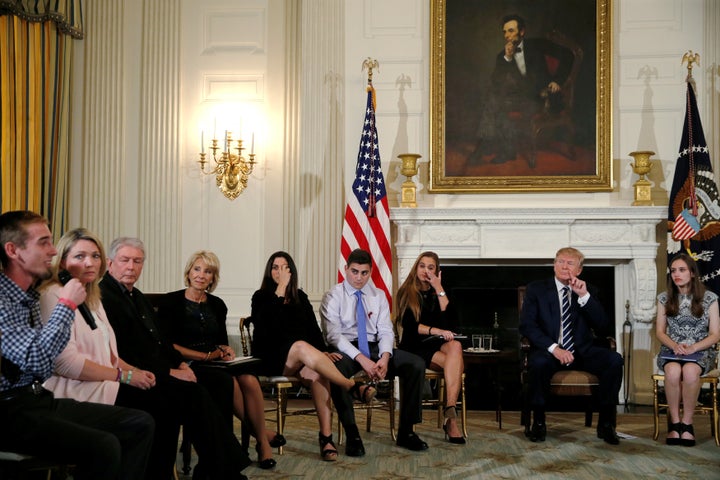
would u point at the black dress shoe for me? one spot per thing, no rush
(412, 442)
(607, 433)
(538, 432)
(354, 447)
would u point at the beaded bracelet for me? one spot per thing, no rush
(68, 303)
(129, 377)
(119, 375)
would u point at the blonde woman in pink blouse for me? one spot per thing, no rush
(89, 368)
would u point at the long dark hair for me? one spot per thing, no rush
(409, 292)
(697, 289)
(291, 292)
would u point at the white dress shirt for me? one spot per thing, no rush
(339, 324)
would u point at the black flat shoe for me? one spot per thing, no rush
(607, 433)
(674, 427)
(266, 464)
(412, 442)
(538, 432)
(277, 441)
(687, 442)
(354, 447)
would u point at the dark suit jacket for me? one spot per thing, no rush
(139, 341)
(179, 329)
(540, 317)
(509, 82)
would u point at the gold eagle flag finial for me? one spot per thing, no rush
(691, 58)
(368, 64)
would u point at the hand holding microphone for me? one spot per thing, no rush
(65, 277)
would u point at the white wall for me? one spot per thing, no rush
(152, 73)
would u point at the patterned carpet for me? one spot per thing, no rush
(570, 451)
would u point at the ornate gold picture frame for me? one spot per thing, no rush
(494, 129)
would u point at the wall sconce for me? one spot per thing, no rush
(231, 170)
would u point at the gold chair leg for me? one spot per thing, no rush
(656, 410)
(280, 409)
(463, 410)
(368, 418)
(391, 407)
(715, 423)
(442, 401)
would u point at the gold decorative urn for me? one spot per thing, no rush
(408, 190)
(642, 167)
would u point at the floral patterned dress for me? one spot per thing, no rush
(685, 328)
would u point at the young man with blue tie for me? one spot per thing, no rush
(356, 322)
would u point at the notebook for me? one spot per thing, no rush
(234, 361)
(457, 336)
(693, 357)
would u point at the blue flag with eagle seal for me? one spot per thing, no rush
(694, 207)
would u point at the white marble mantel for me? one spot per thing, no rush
(624, 237)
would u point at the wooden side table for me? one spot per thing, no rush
(492, 361)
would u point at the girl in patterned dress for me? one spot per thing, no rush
(688, 323)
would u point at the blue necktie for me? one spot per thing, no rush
(361, 318)
(566, 324)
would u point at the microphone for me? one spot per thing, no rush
(64, 277)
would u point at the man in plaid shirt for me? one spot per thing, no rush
(103, 442)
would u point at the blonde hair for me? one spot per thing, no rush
(212, 262)
(64, 245)
(571, 252)
(409, 292)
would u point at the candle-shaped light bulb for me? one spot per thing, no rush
(202, 141)
(226, 145)
(252, 144)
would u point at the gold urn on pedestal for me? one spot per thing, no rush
(408, 191)
(642, 166)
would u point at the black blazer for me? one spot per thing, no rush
(507, 79)
(540, 316)
(139, 341)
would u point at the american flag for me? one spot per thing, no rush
(367, 215)
(694, 207)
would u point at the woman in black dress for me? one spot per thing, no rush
(288, 339)
(423, 310)
(194, 320)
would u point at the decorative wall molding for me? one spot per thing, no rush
(231, 29)
(229, 87)
(399, 18)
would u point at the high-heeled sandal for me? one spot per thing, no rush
(277, 441)
(674, 427)
(327, 454)
(366, 396)
(266, 464)
(687, 442)
(450, 414)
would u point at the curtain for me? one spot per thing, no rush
(35, 65)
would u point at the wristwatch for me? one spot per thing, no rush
(441, 294)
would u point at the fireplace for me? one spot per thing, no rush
(485, 298)
(619, 243)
